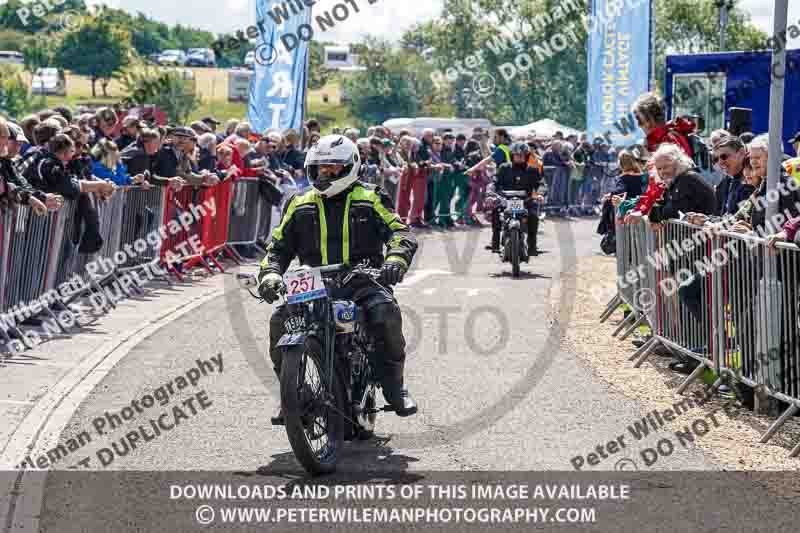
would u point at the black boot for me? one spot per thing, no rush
(400, 400)
(278, 419)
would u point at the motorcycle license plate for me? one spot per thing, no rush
(304, 285)
(516, 205)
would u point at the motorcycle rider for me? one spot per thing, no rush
(523, 173)
(343, 220)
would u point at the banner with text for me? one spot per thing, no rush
(277, 89)
(619, 67)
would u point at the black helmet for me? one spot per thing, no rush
(520, 148)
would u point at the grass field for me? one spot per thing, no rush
(212, 86)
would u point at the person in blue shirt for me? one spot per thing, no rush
(107, 165)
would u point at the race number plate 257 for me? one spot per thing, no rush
(302, 286)
(517, 204)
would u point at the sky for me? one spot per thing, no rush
(386, 18)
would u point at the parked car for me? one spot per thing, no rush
(9, 57)
(250, 59)
(173, 57)
(201, 57)
(49, 81)
(154, 58)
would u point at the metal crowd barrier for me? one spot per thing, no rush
(724, 299)
(142, 217)
(40, 258)
(245, 213)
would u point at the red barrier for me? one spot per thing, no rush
(195, 232)
(214, 233)
(181, 232)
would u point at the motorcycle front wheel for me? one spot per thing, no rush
(314, 415)
(514, 243)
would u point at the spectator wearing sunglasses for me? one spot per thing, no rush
(729, 154)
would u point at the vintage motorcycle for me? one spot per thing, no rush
(328, 388)
(514, 228)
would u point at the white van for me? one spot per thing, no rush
(11, 58)
(457, 125)
(49, 81)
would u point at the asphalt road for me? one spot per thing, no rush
(496, 391)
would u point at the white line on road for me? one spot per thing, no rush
(45, 422)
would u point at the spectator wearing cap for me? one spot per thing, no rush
(174, 159)
(212, 124)
(106, 124)
(16, 141)
(199, 128)
(13, 187)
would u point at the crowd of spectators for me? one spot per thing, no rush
(660, 182)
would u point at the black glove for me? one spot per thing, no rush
(392, 272)
(269, 287)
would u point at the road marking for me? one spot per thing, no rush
(45, 422)
(42, 427)
(16, 402)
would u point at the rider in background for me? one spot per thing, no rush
(343, 220)
(522, 174)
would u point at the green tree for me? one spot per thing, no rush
(385, 89)
(15, 99)
(318, 75)
(692, 27)
(20, 16)
(166, 89)
(555, 85)
(98, 50)
(38, 53)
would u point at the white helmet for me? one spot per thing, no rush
(332, 150)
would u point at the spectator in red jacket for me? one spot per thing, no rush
(651, 112)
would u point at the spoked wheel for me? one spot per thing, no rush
(313, 415)
(366, 420)
(514, 244)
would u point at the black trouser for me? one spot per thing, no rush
(384, 323)
(533, 226)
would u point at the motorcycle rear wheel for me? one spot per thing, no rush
(311, 412)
